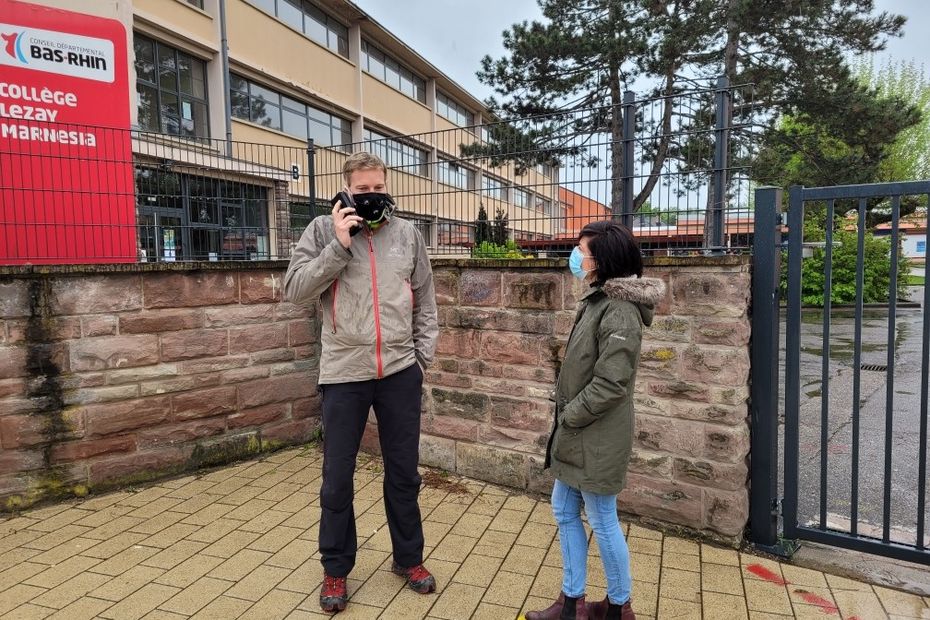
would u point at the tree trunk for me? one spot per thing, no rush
(616, 143)
(664, 139)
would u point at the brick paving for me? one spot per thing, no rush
(240, 542)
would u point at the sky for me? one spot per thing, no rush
(455, 34)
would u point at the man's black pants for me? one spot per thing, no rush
(396, 400)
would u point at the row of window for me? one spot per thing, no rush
(385, 68)
(307, 18)
(271, 109)
(454, 112)
(171, 89)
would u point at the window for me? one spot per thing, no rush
(494, 188)
(484, 133)
(456, 175)
(255, 103)
(392, 73)
(187, 217)
(545, 170)
(196, 3)
(171, 88)
(452, 111)
(521, 198)
(307, 18)
(397, 154)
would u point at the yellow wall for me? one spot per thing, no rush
(186, 21)
(391, 108)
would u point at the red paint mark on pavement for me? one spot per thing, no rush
(760, 571)
(813, 599)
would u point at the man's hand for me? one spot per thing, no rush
(344, 218)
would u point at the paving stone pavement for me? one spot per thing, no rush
(240, 542)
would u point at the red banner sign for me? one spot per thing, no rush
(66, 175)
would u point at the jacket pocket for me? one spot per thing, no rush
(569, 446)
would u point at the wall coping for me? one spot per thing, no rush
(729, 260)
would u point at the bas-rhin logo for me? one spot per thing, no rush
(13, 42)
(57, 52)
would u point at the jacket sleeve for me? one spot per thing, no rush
(619, 337)
(425, 323)
(317, 261)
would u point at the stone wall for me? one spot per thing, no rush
(111, 375)
(504, 327)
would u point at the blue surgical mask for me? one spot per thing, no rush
(574, 263)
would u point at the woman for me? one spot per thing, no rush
(592, 439)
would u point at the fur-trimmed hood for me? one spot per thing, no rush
(646, 293)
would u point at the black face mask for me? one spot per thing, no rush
(372, 206)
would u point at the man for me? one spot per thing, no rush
(379, 335)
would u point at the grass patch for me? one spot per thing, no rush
(913, 280)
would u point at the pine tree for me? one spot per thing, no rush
(482, 226)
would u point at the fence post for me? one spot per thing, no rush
(311, 177)
(629, 128)
(721, 156)
(766, 272)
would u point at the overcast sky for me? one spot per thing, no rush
(455, 34)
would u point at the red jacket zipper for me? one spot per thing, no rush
(377, 309)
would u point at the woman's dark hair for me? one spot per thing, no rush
(614, 249)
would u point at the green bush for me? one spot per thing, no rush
(876, 280)
(487, 249)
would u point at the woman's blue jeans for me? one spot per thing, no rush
(602, 516)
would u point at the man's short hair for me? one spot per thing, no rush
(363, 160)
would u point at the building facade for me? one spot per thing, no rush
(232, 180)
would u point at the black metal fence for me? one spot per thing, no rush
(673, 168)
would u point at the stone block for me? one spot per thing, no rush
(446, 283)
(659, 360)
(193, 343)
(301, 332)
(204, 403)
(275, 390)
(191, 289)
(445, 379)
(450, 427)
(88, 448)
(666, 500)
(437, 452)
(729, 332)
(257, 416)
(679, 390)
(179, 384)
(215, 364)
(257, 338)
(287, 432)
(717, 414)
(652, 464)
(668, 329)
(460, 403)
(16, 461)
(307, 408)
(512, 438)
(153, 321)
(533, 290)
(9, 387)
(480, 287)
(113, 352)
(99, 325)
(249, 373)
(727, 444)
(481, 368)
(261, 286)
(669, 435)
(172, 434)
(110, 418)
(708, 294)
(17, 431)
(232, 315)
(14, 299)
(526, 415)
(540, 374)
(510, 348)
(458, 343)
(141, 373)
(286, 311)
(96, 294)
(498, 320)
(699, 472)
(272, 356)
(138, 465)
(729, 367)
(726, 512)
(99, 394)
(495, 465)
(540, 479)
(493, 385)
